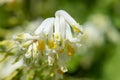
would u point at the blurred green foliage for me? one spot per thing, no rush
(96, 62)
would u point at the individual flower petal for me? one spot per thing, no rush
(62, 27)
(22, 36)
(68, 33)
(25, 36)
(64, 69)
(26, 44)
(49, 26)
(40, 29)
(76, 27)
(28, 54)
(35, 51)
(57, 29)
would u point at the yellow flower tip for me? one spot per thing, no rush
(35, 51)
(28, 53)
(52, 74)
(75, 28)
(20, 36)
(26, 44)
(57, 36)
(70, 50)
(51, 44)
(41, 45)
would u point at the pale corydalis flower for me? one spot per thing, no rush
(55, 35)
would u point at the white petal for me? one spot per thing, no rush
(56, 24)
(39, 30)
(57, 29)
(68, 32)
(69, 19)
(69, 35)
(22, 36)
(64, 69)
(28, 54)
(49, 26)
(62, 27)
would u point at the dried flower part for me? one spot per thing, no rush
(55, 36)
(70, 50)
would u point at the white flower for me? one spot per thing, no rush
(45, 27)
(53, 37)
(76, 27)
(64, 69)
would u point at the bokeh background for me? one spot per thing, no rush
(99, 56)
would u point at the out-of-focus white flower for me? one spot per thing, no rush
(97, 31)
(64, 69)
(54, 36)
(94, 36)
(97, 28)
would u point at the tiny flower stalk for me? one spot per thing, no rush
(55, 37)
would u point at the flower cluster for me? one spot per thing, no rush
(55, 37)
